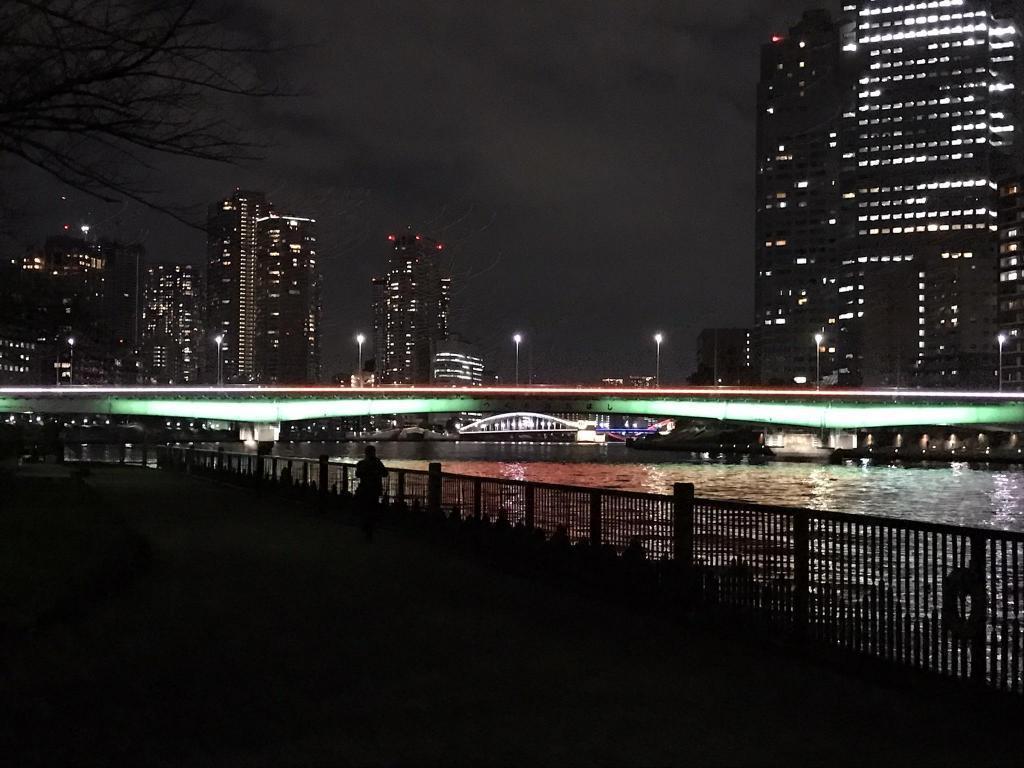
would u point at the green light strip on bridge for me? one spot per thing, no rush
(826, 415)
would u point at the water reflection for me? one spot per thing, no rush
(957, 494)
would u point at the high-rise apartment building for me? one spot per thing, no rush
(925, 116)
(231, 283)
(410, 310)
(287, 301)
(172, 333)
(798, 225)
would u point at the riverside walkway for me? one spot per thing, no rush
(262, 633)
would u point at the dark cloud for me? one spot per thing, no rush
(591, 164)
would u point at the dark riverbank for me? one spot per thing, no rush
(265, 634)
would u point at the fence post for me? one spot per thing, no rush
(220, 459)
(528, 511)
(321, 486)
(477, 499)
(344, 478)
(682, 537)
(434, 488)
(258, 476)
(145, 454)
(400, 490)
(978, 639)
(190, 459)
(801, 575)
(595, 518)
(305, 474)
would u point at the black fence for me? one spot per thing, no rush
(939, 598)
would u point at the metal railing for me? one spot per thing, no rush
(939, 598)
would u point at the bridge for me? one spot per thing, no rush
(264, 408)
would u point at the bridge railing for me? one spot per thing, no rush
(940, 598)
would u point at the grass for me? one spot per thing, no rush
(60, 549)
(264, 634)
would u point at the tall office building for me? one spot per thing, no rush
(231, 284)
(410, 310)
(287, 301)
(932, 128)
(908, 281)
(798, 225)
(172, 332)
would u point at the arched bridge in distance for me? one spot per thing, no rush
(834, 409)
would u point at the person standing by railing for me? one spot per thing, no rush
(370, 472)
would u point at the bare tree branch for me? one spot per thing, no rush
(91, 91)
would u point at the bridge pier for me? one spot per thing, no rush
(264, 434)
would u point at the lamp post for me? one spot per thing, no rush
(518, 339)
(658, 338)
(71, 368)
(1002, 340)
(219, 339)
(818, 338)
(360, 338)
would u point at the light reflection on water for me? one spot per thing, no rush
(957, 493)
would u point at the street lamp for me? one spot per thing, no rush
(1002, 340)
(360, 338)
(518, 339)
(219, 339)
(71, 369)
(818, 338)
(658, 338)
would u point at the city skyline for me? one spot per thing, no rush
(517, 292)
(629, 227)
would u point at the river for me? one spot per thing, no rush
(958, 493)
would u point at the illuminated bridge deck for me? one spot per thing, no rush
(827, 409)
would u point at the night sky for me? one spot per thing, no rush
(590, 165)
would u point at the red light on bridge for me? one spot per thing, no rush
(418, 237)
(777, 38)
(440, 246)
(391, 238)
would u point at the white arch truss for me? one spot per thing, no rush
(521, 421)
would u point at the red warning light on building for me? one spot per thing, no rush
(440, 246)
(391, 238)
(777, 38)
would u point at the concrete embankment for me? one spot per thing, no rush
(264, 633)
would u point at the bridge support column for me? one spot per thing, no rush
(842, 440)
(263, 434)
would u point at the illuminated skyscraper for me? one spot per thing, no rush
(172, 332)
(287, 301)
(881, 138)
(231, 283)
(410, 310)
(798, 226)
(934, 124)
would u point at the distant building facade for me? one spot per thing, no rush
(1011, 283)
(85, 290)
(410, 310)
(173, 336)
(287, 349)
(457, 363)
(724, 356)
